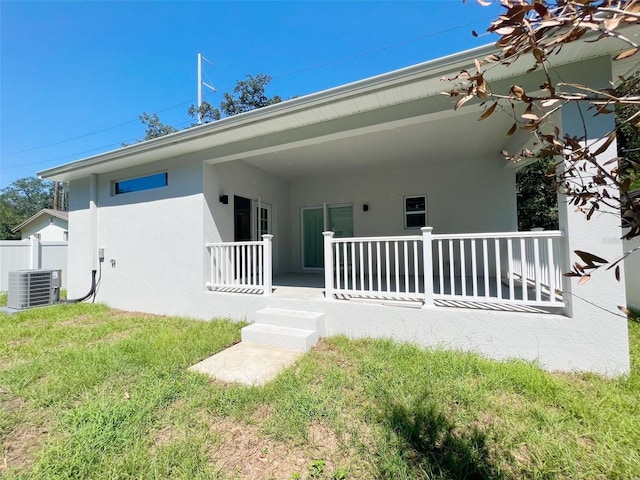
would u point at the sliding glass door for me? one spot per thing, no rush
(338, 219)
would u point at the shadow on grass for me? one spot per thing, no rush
(436, 448)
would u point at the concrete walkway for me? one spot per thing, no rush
(247, 363)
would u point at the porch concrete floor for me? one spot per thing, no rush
(299, 285)
(247, 363)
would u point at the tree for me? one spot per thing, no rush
(249, 95)
(154, 128)
(537, 30)
(22, 199)
(536, 195)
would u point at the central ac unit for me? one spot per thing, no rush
(33, 288)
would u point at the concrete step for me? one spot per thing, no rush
(281, 317)
(282, 337)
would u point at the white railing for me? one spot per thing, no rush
(377, 267)
(241, 266)
(517, 268)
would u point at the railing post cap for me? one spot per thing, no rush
(426, 229)
(328, 234)
(267, 236)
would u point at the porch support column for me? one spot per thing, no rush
(598, 335)
(267, 263)
(427, 262)
(328, 265)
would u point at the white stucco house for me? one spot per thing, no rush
(47, 225)
(374, 204)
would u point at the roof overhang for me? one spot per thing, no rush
(44, 212)
(406, 97)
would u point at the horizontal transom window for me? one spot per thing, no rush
(137, 184)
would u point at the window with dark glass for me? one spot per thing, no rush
(138, 184)
(415, 211)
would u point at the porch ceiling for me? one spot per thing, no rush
(429, 138)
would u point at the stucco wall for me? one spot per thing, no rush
(463, 196)
(153, 239)
(51, 229)
(242, 179)
(632, 273)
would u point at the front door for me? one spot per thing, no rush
(338, 219)
(251, 219)
(241, 219)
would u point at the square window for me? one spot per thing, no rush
(415, 211)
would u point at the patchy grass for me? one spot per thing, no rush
(89, 392)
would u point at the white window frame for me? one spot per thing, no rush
(418, 212)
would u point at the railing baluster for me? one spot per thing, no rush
(440, 267)
(379, 266)
(463, 268)
(369, 261)
(510, 268)
(552, 269)
(396, 265)
(337, 265)
(474, 268)
(416, 268)
(388, 269)
(452, 271)
(353, 265)
(536, 260)
(498, 269)
(345, 269)
(407, 285)
(485, 254)
(362, 286)
(523, 261)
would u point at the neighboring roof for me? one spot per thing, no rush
(62, 215)
(315, 108)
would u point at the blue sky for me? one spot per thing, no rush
(71, 69)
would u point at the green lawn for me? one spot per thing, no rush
(89, 392)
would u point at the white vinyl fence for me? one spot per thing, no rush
(31, 254)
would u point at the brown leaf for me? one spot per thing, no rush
(474, 33)
(629, 53)
(492, 58)
(540, 9)
(617, 272)
(512, 130)
(530, 116)
(584, 279)
(625, 310)
(602, 148)
(612, 23)
(589, 257)
(462, 101)
(488, 111)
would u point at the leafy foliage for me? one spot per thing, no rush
(22, 199)
(536, 195)
(538, 29)
(248, 95)
(154, 128)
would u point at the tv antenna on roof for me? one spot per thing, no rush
(201, 83)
